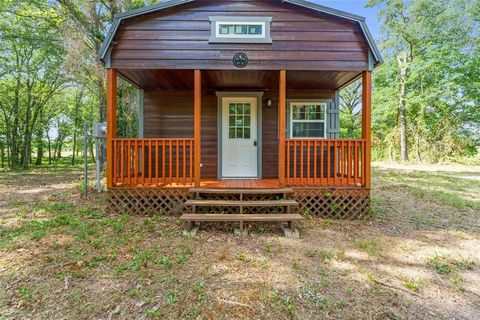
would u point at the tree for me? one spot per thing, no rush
(426, 44)
(32, 58)
(350, 110)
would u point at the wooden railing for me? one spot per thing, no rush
(325, 162)
(147, 162)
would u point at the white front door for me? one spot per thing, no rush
(239, 138)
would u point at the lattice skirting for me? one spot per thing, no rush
(335, 203)
(148, 200)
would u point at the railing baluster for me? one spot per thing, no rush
(301, 162)
(315, 162)
(288, 161)
(142, 163)
(329, 162)
(322, 163)
(341, 156)
(349, 168)
(150, 162)
(294, 161)
(355, 161)
(156, 162)
(177, 163)
(122, 164)
(170, 162)
(191, 160)
(308, 162)
(184, 162)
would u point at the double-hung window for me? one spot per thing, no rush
(308, 120)
(240, 29)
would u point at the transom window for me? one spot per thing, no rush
(241, 29)
(307, 120)
(239, 120)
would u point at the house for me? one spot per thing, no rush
(239, 109)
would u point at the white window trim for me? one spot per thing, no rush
(240, 36)
(324, 121)
(264, 22)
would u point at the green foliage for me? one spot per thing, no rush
(439, 43)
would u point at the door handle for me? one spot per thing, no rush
(255, 143)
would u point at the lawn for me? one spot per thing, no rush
(416, 257)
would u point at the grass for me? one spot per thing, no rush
(143, 266)
(372, 246)
(455, 189)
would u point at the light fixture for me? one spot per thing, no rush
(269, 102)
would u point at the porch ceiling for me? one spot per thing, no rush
(149, 79)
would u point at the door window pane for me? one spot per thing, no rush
(239, 120)
(246, 133)
(246, 109)
(239, 133)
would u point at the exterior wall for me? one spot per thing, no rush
(178, 38)
(170, 115)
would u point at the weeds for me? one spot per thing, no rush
(412, 285)
(440, 264)
(372, 247)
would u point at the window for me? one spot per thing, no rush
(308, 120)
(240, 29)
(239, 120)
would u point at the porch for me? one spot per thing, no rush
(188, 161)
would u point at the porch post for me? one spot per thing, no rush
(367, 123)
(282, 96)
(111, 121)
(197, 126)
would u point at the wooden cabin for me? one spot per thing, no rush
(239, 108)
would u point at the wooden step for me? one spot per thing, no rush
(237, 203)
(241, 217)
(241, 191)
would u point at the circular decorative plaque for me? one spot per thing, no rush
(240, 60)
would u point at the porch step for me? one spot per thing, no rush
(241, 191)
(193, 221)
(237, 203)
(197, 217)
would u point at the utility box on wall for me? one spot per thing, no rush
(99, 129)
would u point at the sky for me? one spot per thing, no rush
(356, 7)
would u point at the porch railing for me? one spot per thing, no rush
(325, 162)
(147, 162)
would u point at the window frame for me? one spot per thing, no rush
(216, 37)
(311, 102)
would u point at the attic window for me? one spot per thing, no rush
(240, 29)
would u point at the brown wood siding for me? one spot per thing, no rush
(170, 115)
(177, 38)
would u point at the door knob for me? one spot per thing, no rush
(255, 143)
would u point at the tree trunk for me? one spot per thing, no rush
(49, 149)
(403, 66)
(2, 154)
(39, 159)
(417, 148)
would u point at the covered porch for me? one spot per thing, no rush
(185, 151)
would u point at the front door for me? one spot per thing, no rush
(239, 138)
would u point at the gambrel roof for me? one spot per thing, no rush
(306, 4)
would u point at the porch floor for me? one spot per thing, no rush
(233, 184)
